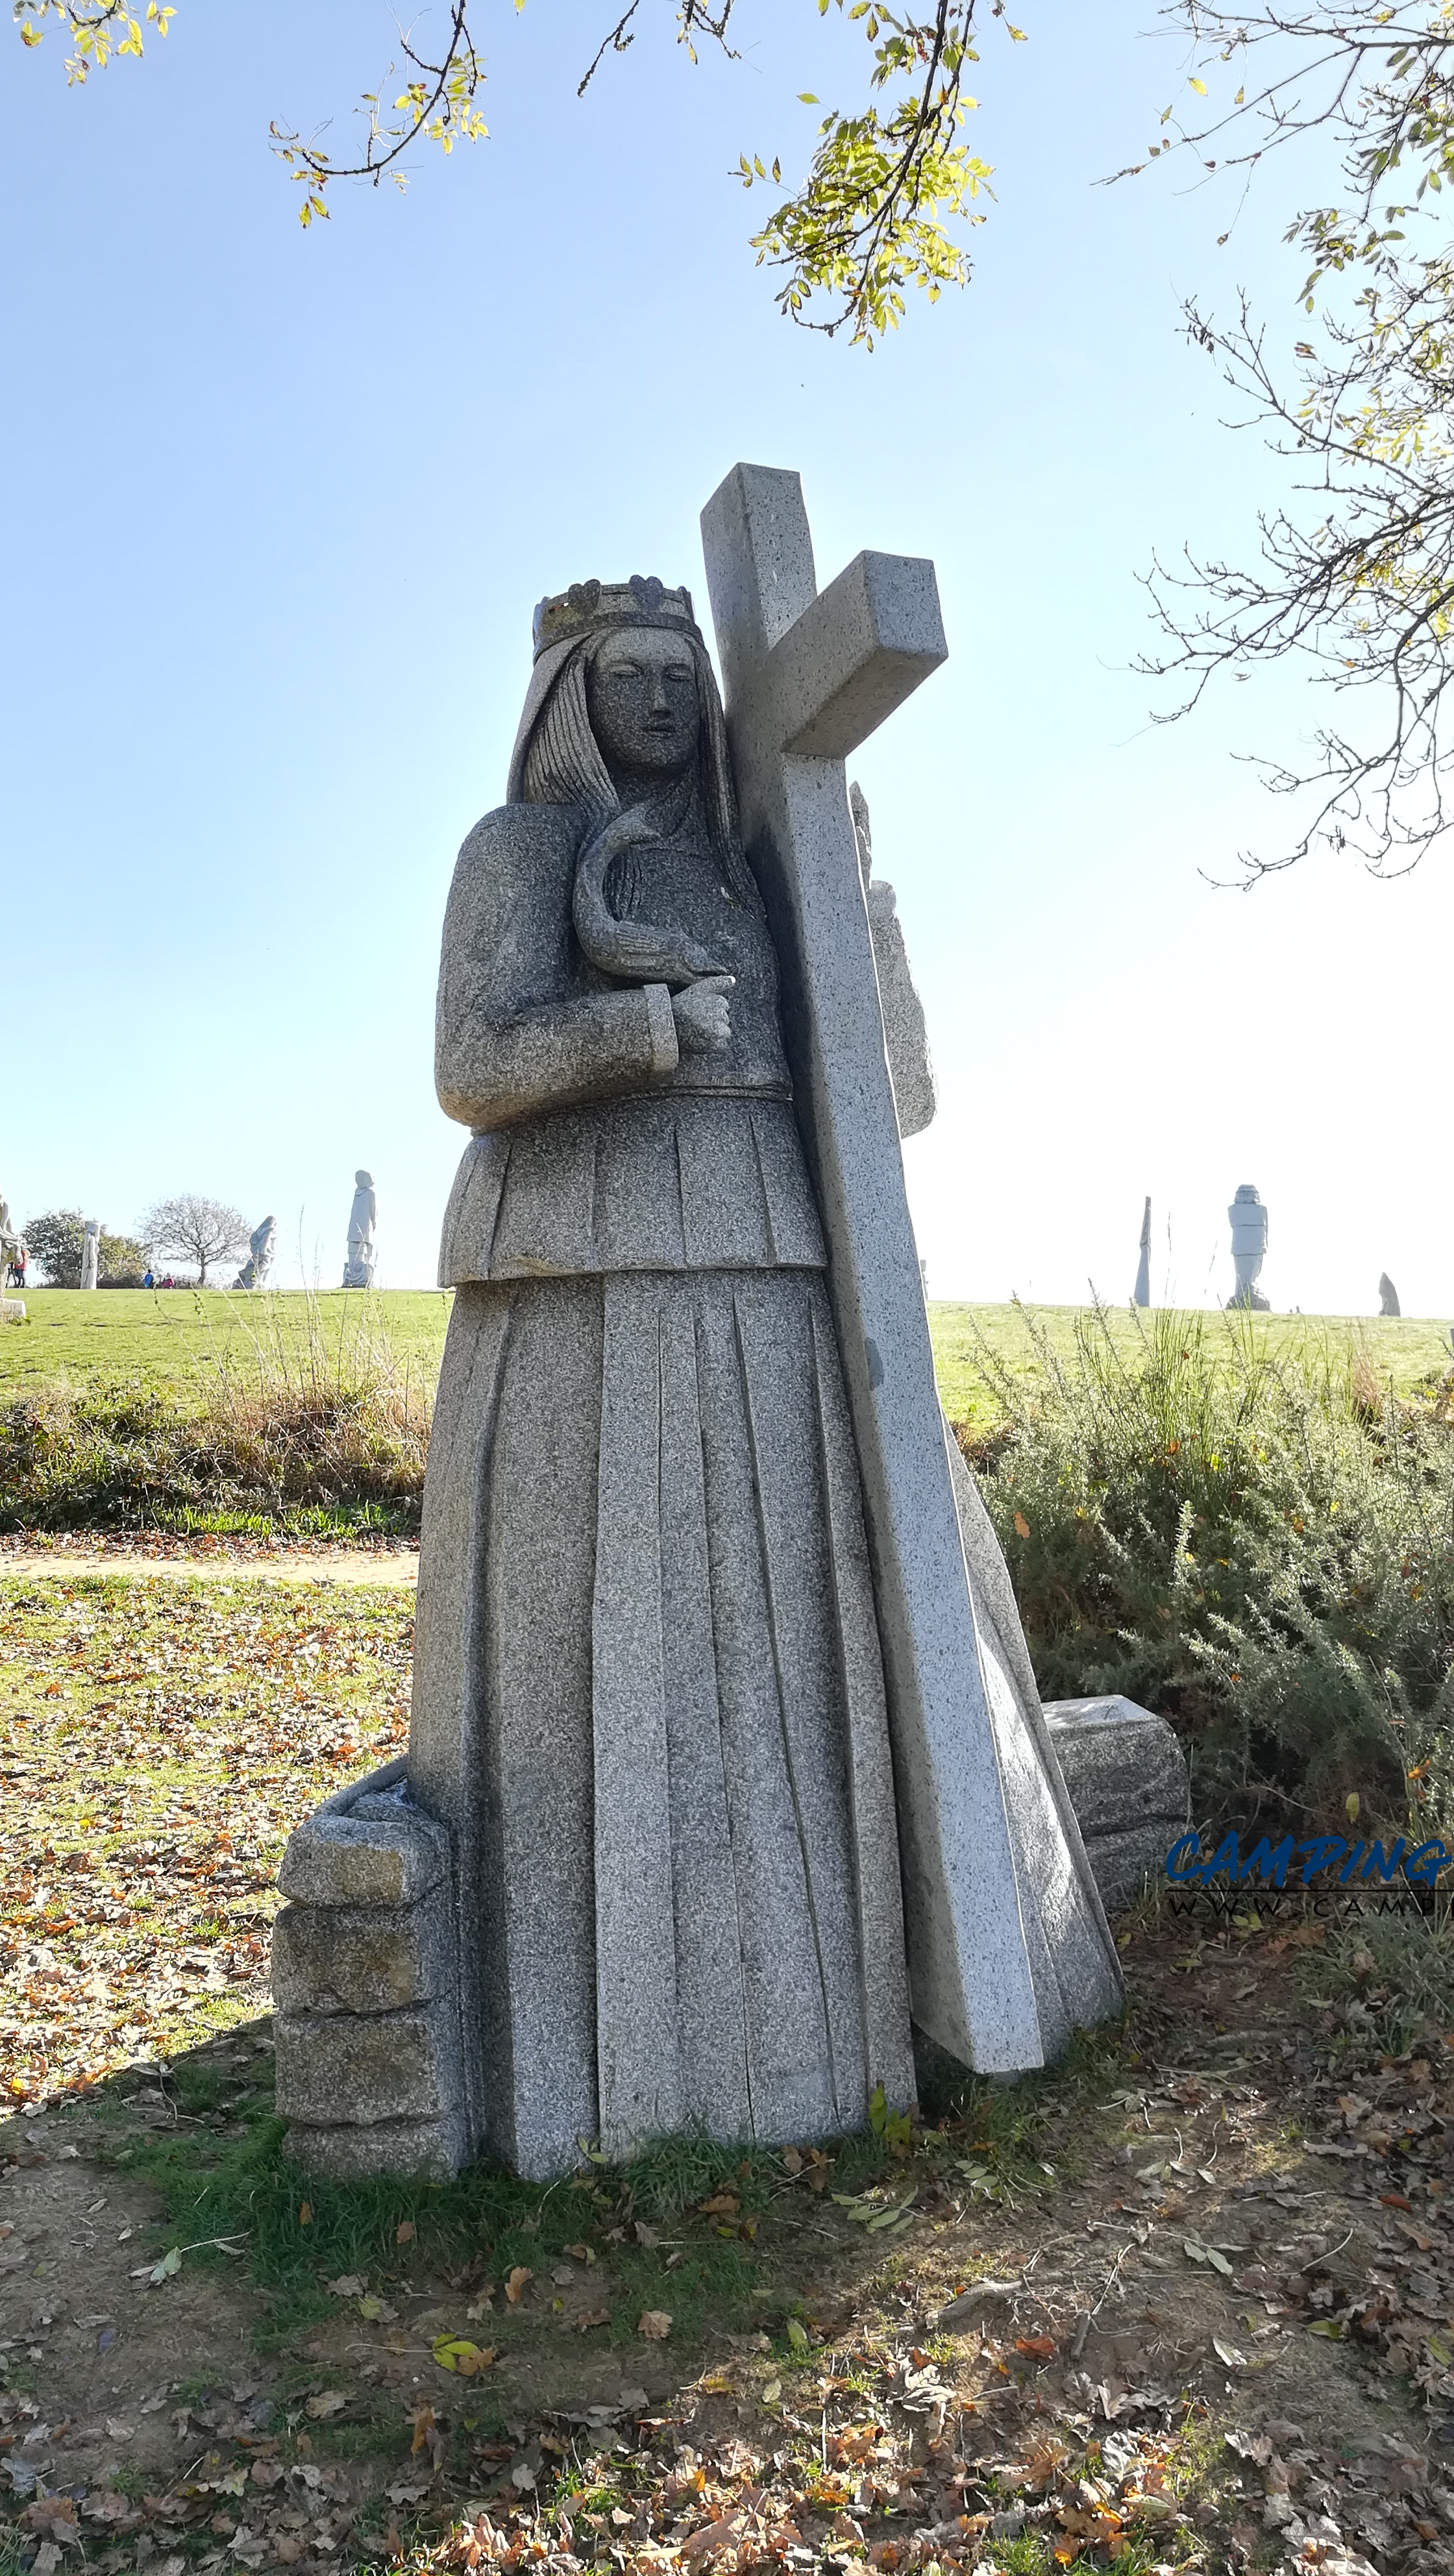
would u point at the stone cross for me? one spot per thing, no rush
(807, 676)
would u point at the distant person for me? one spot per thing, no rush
(150, 1280)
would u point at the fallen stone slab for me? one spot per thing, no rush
(1127, 1779)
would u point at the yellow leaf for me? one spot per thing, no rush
(456, 2352)
(1198, 85)
(515, 2285)
(1022, 1526)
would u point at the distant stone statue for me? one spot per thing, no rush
(1248, 1220)
(91, 1254)
(358, 1270)
(259, 1262)
(1141, 1295)
(1387, 1296)
(12, 1267)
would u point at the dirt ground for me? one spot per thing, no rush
(1186, 2303)
(389, 1562)
(1184, 2306)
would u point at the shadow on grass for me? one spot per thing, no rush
(722, 2238)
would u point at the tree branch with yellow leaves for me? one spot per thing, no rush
(870, 220)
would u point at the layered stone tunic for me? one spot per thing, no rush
(648, 1690)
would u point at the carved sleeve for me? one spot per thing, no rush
(514, 1032)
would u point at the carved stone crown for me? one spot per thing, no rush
(587, 605)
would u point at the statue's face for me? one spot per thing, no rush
(641, 693)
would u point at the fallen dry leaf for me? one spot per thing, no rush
(329, 2401)
(515, 2285)
(654, 2324)
(456, 2352)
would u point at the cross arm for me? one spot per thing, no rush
(855, 653)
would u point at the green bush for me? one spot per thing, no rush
(1259, 1549)
(293, 1438)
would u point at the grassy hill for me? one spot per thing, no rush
(179, 1342)
(181, 1345)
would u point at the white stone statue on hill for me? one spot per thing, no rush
(260, 1245)
(1248, 1220)
(91, 1254)
(12, 1266)
(1141, 1294)
(358, 1269)
(1387, 1296)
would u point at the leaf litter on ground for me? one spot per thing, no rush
(157, 1745)
(1043, 2369)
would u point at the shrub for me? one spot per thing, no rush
(55, 1241)
(291, 1439)
(121, 1262)
(1260, 1549)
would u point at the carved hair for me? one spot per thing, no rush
(564, 764)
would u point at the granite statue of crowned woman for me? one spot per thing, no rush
(650, 1694)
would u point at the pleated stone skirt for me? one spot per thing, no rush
(649, 1701)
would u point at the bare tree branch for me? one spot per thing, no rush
(1357, 581)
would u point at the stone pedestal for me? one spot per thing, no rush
(368, 2037)
(1127, 1779)
(367, 2028)
(12, 1310)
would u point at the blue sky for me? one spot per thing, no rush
(279, 507)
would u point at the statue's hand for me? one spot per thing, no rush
(702, 1016)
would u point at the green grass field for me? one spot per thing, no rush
(1401, 1350)
(178, 1341)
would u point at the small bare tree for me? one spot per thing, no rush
(190, 1228)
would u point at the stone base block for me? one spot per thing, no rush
(357, 2068)
(12, 1310)
(346, 2153)
(367, 2028)
(352, 1959)
(1127, 1779)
